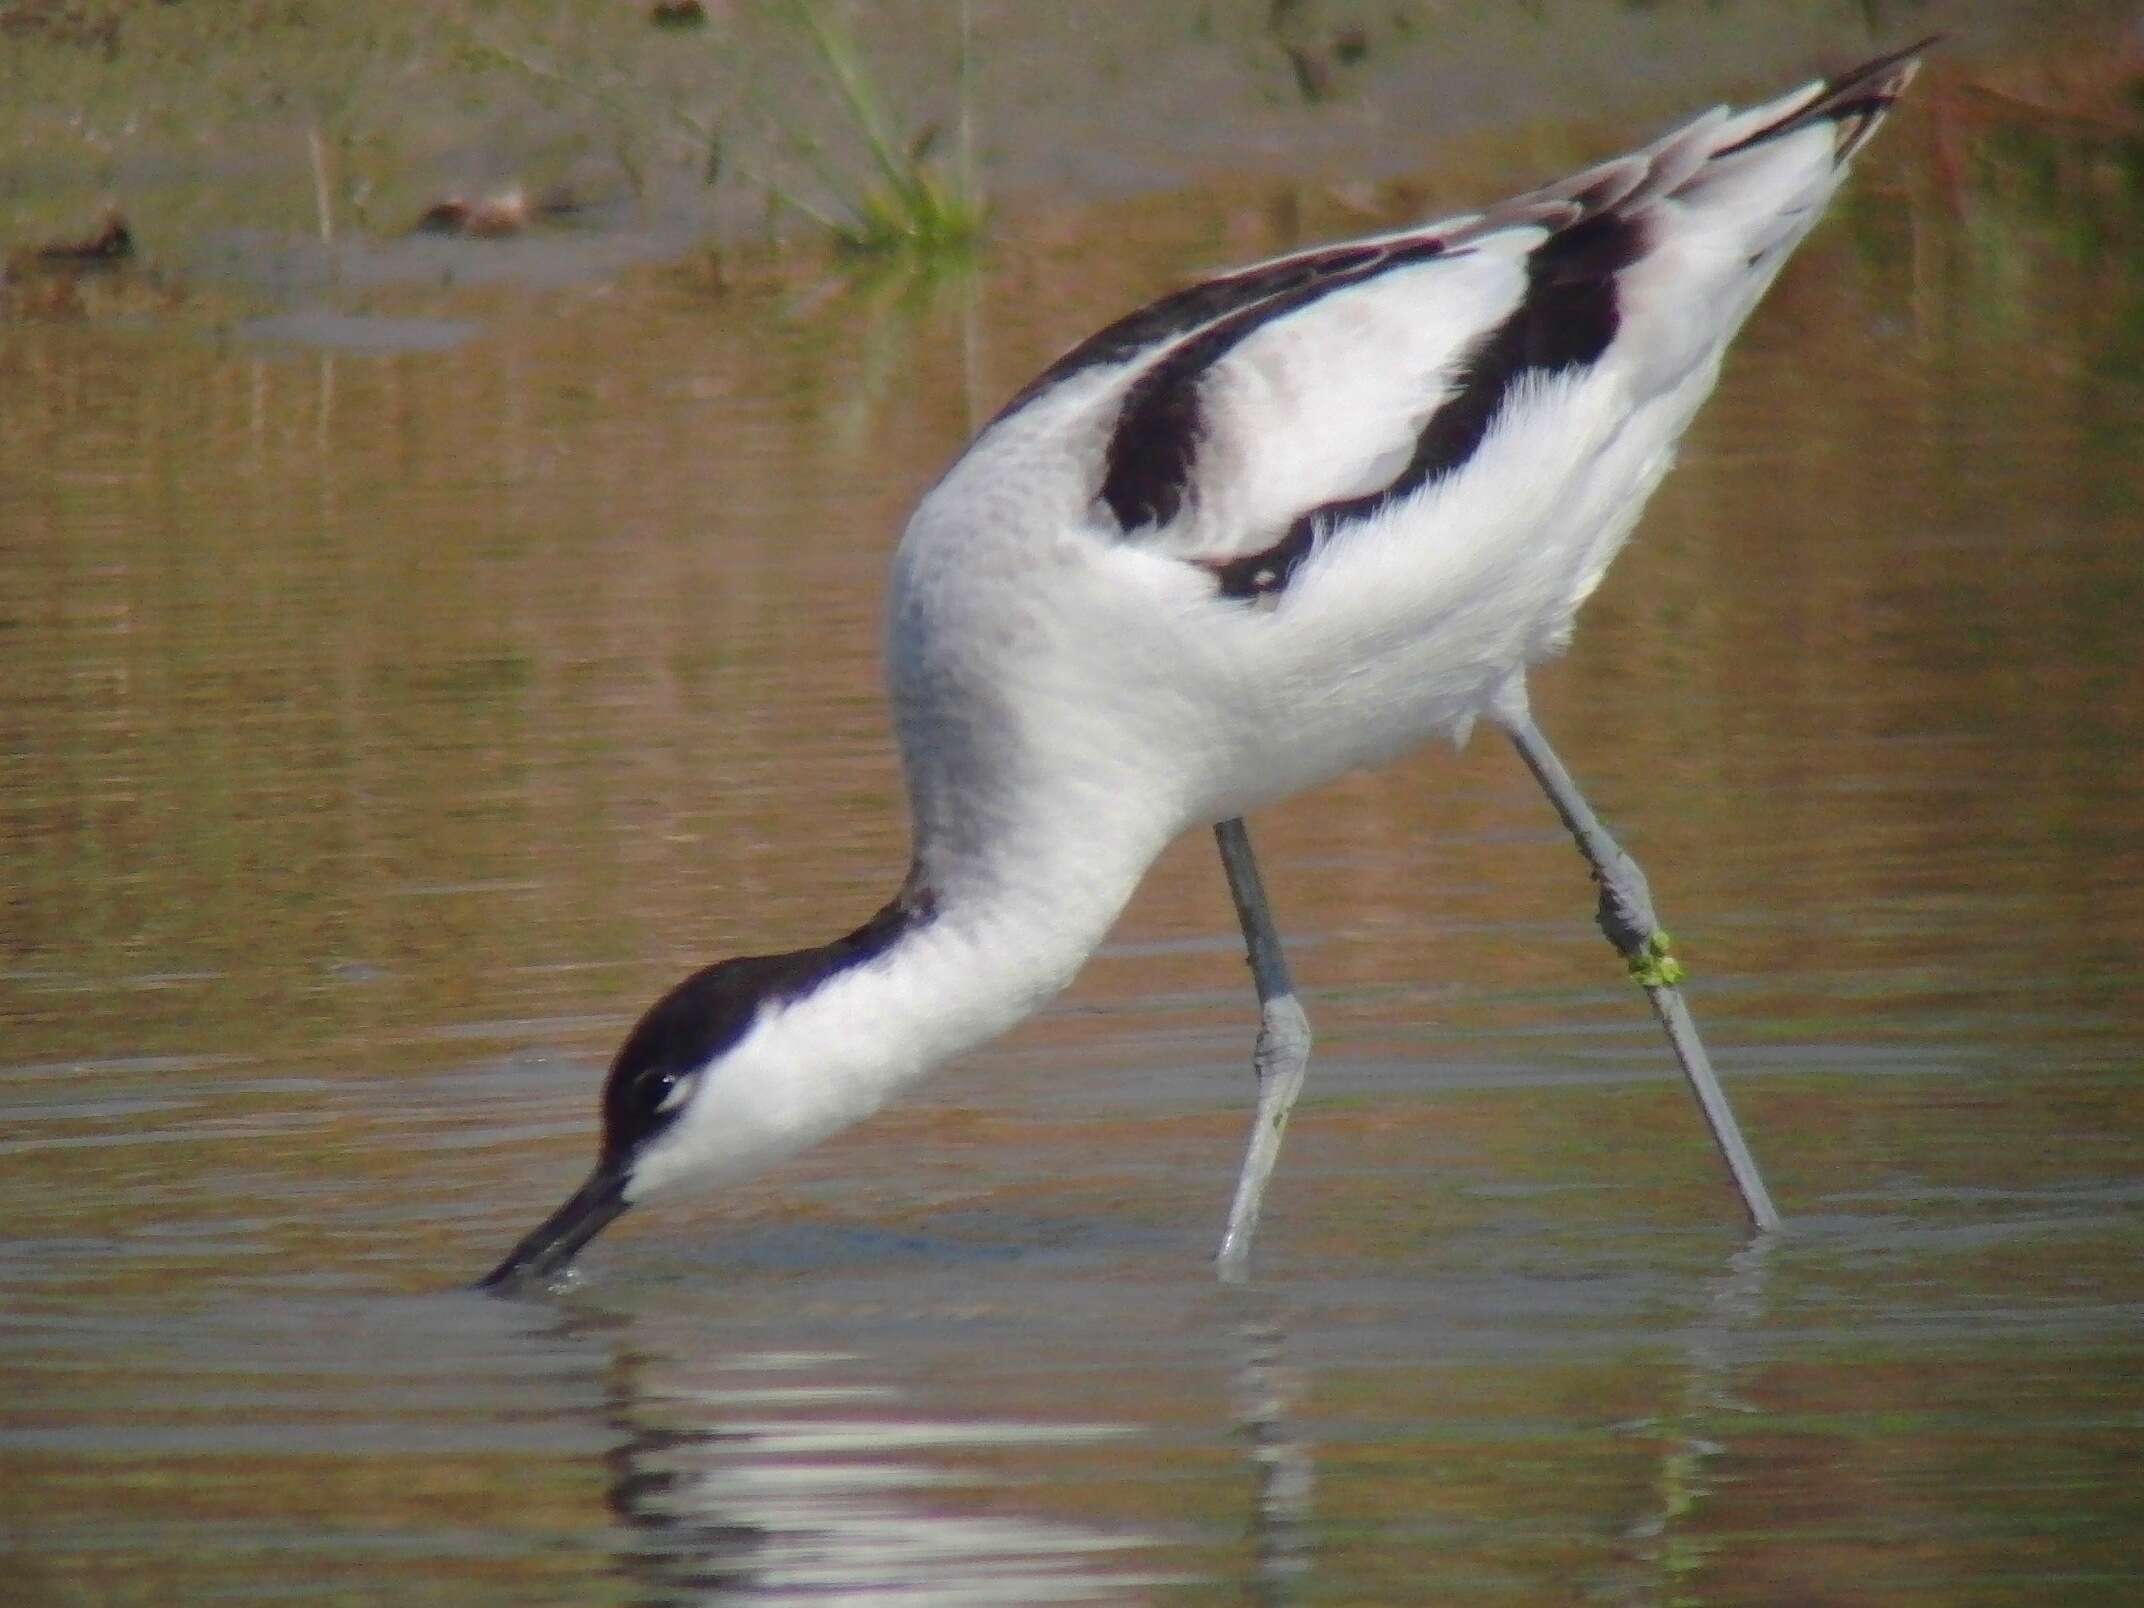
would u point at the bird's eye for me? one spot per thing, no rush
(653, 1089)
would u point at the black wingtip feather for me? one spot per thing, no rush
(1859, 95)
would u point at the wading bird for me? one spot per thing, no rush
(1289, 522)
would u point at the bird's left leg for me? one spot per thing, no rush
(1283, 1050)
(1627, 918)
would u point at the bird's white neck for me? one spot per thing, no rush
(982, 944)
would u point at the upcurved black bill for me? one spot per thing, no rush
(553, 1243)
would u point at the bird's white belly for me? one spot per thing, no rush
(1305, 729)
(1412, 633)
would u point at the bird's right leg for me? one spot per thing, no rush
(1283, 1051)
(1627, 919)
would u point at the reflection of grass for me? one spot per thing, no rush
(2041, 156)
(2062, 142)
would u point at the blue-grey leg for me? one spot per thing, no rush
(1283, 1044)
(1626, 916)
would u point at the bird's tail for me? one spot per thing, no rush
(1720, 203)
(1852, 103)
(1765, 173)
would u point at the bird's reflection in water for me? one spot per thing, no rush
(1263, 1402)
(825, 1476)
(798, 1477)
(1693, 1429)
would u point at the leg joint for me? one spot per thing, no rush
(1283, 1031)
(1626, 909)
(1628, 920)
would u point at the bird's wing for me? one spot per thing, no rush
(1241, 420)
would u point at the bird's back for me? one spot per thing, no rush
(1305, 516)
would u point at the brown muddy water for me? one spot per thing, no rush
(400, 685)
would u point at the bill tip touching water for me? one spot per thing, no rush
(1288, 522)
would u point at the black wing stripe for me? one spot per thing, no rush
(1566, 319)
(1147, 465)
(1184, 310)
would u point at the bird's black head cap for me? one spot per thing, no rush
(680, 1036)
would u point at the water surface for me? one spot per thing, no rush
(398, 692)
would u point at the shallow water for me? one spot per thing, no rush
(400, 692)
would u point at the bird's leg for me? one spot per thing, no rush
(1626, 916)
(1283, 1044)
